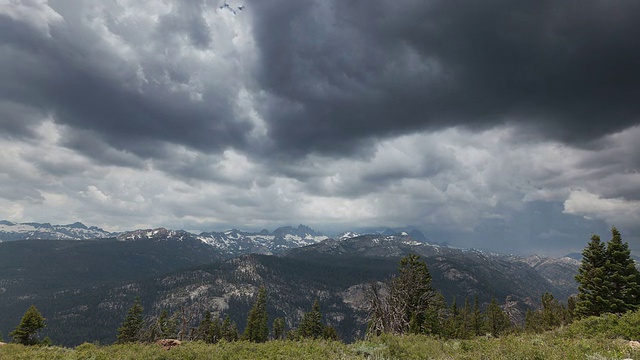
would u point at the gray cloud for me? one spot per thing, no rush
(343, 72)
(497, 124)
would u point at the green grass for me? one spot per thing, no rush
(603, 338)
(549, 346)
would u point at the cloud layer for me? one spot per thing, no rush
(502, 125)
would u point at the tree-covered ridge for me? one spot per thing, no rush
(95, 282)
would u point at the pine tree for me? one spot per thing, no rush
(311, 325)
(229, 329)
(167, 325)
(477, 318)
(257, 329)
(411, 304)
(591, 277)
(497, 320)
(205, 327)
(608, 280)
(130, 329)
(623, 276)
(26, 332)
(279, 329)
(453, 321)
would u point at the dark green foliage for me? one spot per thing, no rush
(330, 333)
(229, 329)
(591, 279)
(608, 280)
(311, 325)
(612, 326)
(497, 321)
(27, 331)
(459, 325)
(477, 318)
(46, 342)
(550, 315)
(1, 338)
(257, 329)
(411, 304)
(209, 330)
(131, 328)
(279, 329)
(623, 276)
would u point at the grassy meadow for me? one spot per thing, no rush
(551, 345)
(596, 338)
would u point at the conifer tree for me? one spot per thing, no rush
(496, 319)
(229, 329)
(550, 315)
(453, 322)
(465, 321)
(608, 280)
(204, 328)
(167, 325)
(623, 276)
(257, 329)
(131, 328)
(411, 304)
(311, 325)
(477, 318)
(26, 332)
(279, 329)
(591, 277)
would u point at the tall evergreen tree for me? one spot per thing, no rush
(623, 276)
(608, 280)
(229, 329)
(497, 321)
(591, 277)
(27, 331)
(477, 318)
(204, 328)
(410, 305)
(311, 325)
(257, 329)
(131, 327)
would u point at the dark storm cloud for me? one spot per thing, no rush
(69, 77)
(346, 71)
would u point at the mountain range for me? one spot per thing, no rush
(83, 287)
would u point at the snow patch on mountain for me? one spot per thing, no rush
(10, 231)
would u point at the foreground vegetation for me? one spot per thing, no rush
(592, 338)
(551, 345)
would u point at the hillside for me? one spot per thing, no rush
(83, 288)
(61, 277)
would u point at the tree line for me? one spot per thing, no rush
(609, 282)
(211, 329)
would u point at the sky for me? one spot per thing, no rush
(504, 125)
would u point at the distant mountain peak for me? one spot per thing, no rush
(77, 225)
(10, 231)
